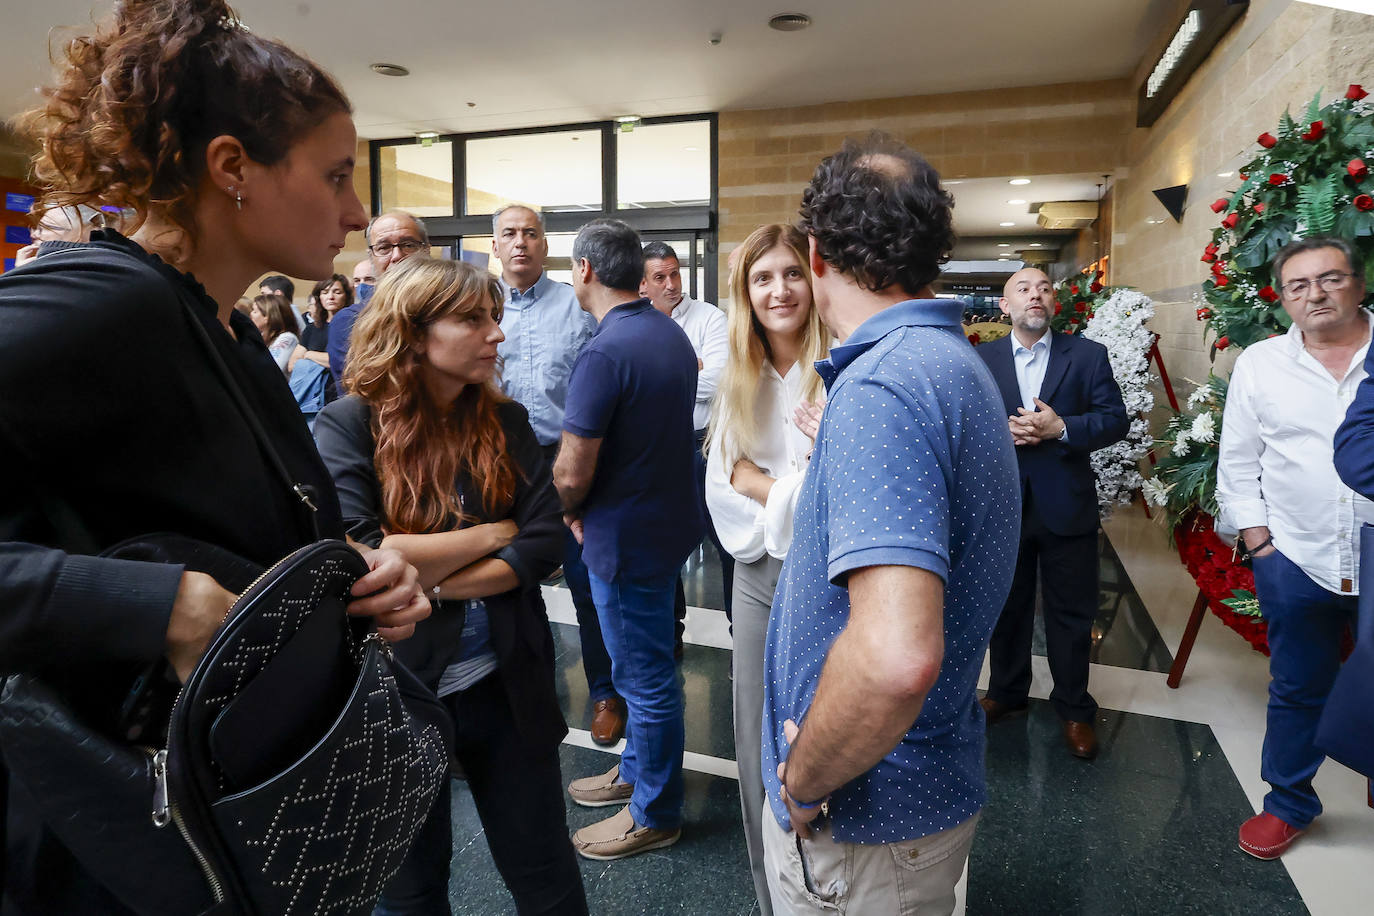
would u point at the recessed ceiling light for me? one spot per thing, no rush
(390, 70)
(1036, 245)
(1225, 174)
(1004, 244)
(1019, 181)
(1006, 224)
(789, 22)
(691, 149)
(1016, 202)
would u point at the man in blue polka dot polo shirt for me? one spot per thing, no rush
(905, 540)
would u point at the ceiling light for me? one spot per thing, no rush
(1006, 224)
(691, 149)
(789, 22)
(1225, 174)
(1004, 244)
(626, 123)
(390, 70)
(1016, 202)
(1035, 245)
(427, 137)
(1019, 181)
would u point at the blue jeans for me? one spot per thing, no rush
(596, 664)
(1305, 626)
(637, 623)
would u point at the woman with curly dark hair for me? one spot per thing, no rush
(206, 133)
(432, 460)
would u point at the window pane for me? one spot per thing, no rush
(664, 165)
(477, 250)
(551, 171)
(418, 179)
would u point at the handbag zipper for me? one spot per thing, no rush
(165, 812)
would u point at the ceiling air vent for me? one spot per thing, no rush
(1066, 214)
(789, 22)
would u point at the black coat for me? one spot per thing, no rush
(519, 623)
(1080, 387)
(111, 410)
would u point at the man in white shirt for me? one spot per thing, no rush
(1277, 484)
(706, 328)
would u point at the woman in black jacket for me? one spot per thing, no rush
(113, 421)
(431, 459)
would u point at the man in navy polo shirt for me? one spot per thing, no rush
(906, 537)
(624, 473)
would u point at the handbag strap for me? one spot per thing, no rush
(302, 492)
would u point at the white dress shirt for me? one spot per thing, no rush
(1031, 364)
(1275, 469)
(705, 327)
(746, 529)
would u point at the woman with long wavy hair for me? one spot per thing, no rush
(204, 132)
(432, 460)
(763, 422)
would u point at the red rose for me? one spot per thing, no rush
(1095, 288)
(1267, 140)
(1223, 343)
(1080, 306)
(1211, 248)
(1058, 308)
(1074, 289)
(974, 339)
(1220, 204)
(1243, 176)
(1357, 169)
(1314, 132)
(1221, 281)
(1203, 314)
(1278, 178)
(1364, 202)
(1231, 220)
(1099, 275)
(1208, 257)
(1355, 93)
(1090, 315)
(1259, 208)
(1268, 294)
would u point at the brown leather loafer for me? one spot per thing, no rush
(608, 721)
(1080, 738)
(996, 711)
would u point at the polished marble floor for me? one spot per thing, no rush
(1148, 827)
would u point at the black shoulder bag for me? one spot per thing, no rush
(299, 762)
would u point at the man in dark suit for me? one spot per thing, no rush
(1062, 404)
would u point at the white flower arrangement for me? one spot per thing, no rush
(1119, 325)
(1204, 428)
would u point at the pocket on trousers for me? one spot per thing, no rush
(930, 851)
(820, 870)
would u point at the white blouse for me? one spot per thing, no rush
(746, 529)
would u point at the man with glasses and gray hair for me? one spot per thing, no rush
(391, 238)
(1300, 524)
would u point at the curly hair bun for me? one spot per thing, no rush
(135, 104)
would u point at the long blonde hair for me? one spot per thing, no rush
(421, 446)
(733, 407)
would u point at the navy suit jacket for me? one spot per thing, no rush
(1355, 437)
(1080, 387)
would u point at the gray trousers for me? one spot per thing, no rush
(753, 599)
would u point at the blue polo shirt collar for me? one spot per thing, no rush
(939, 313)
(623, 310)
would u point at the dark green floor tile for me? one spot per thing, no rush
(1147, 827)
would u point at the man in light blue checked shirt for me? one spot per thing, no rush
(545, 329)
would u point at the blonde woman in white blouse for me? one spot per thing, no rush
(763, 421)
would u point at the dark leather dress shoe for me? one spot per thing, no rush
(1081, 739)
(608, 721)
(997, 711)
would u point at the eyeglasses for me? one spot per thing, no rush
(1296, 289)
(384, 249)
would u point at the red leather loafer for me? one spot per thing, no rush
(1267, 837)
